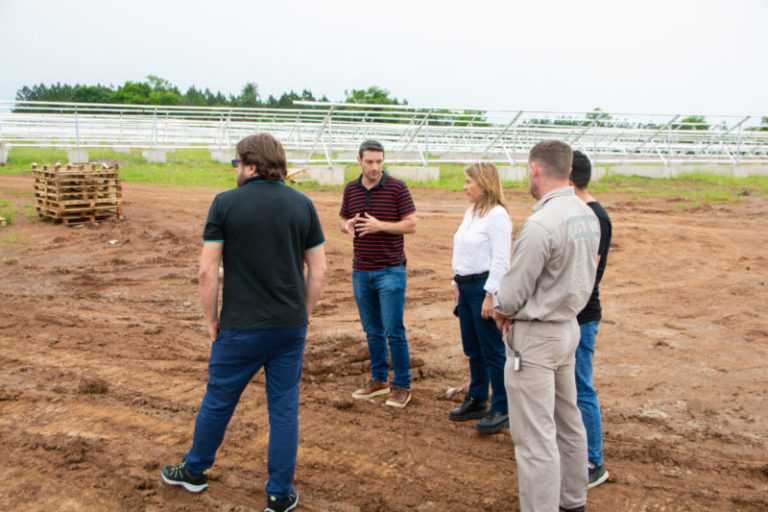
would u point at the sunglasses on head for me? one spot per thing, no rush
(235, 162)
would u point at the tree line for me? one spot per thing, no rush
(158, 91)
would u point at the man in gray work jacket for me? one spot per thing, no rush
(549, 281)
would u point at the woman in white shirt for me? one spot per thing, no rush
(481, 252)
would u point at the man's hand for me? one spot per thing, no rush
(213, 330)
(367, 224)
(503, 322)
(349, 225)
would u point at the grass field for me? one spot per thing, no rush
(193, 167)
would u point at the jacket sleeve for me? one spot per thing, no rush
(531, 252)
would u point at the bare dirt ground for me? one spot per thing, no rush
(103, 357)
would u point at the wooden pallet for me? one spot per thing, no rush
(78, 193)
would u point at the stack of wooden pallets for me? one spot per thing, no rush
(78, 192)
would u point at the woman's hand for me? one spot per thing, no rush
(487, 311)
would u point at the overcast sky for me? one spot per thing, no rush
(651, 56)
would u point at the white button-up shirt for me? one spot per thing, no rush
(482, 244)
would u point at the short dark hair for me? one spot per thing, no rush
(371, 145)
(266, 153)
(581, 171)
(554, 157)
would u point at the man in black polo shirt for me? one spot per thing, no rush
(377, 210)
(264, 231)
(588, 319)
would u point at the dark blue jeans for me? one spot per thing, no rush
(586, 394)
(380, 297)
(236, 356)
(484, 345)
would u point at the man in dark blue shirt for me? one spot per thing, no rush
(264, 232)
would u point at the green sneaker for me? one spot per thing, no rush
(180, 475)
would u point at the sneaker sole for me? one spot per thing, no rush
(296, 504)
(186, 485)
(472, 416)
(383, 391)
(598, 481)
(398, 404)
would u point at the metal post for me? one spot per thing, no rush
(512, 123)
(154, 127)
(77, 130)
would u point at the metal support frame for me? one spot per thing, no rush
(461, 135)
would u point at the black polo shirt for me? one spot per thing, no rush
(390, 201)
(266, 227)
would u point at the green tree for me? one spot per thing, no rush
(132, 93)
(161, 84)
(91, 94)
(164, 98)
(193, 97)
(41, 92)
(249, 97)
(373, 95)
(691, 123)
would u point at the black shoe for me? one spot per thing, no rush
(597, 475)
(493, 422)
(290, 502)
(577, 509)
(471, 409)
(180, 475)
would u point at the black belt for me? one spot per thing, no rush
(471, 277)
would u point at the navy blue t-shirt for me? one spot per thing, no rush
(266, 227)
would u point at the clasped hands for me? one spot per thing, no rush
(363, 225)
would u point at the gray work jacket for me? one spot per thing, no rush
(553, 261)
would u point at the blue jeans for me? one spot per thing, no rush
(586, 394)
(380, 297)
(236, 356)
(484, 345)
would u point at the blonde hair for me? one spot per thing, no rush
(486, 175)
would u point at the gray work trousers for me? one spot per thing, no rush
(544, 420)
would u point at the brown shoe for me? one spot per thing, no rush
(371, 389)
(400, 397)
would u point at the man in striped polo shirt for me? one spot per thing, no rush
(377, 210)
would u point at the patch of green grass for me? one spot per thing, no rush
(12, 238)
(195, 167)
(693, 190)
(8, 214)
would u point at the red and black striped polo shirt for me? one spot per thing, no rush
(390, 201)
